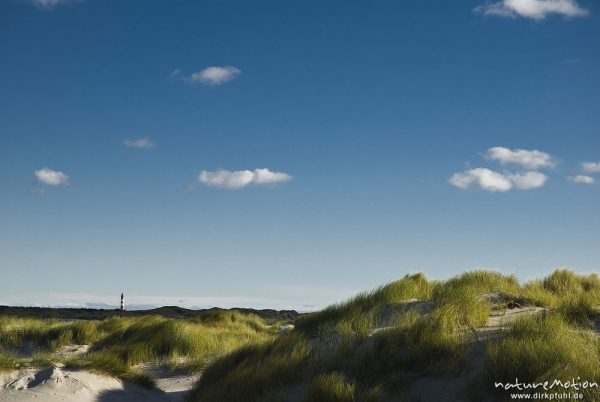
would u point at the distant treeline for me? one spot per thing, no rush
(166, 311)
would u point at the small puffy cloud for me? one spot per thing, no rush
(213, 75)
(139, 143)
(238, 179)
(534, 9)
(51, 177)
(525, 158)
(493, 181)
(582, 179)
(51, 4)
(590, 167)
(482, 178)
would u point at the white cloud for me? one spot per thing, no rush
(51, 4)
(582, 179)
(213, 75)
(528, 180)
(483, 178)
(493, 181)
(51, 177)
(528, 159)
(534, 9)
(590, 167)
(139, 143)
(235, 180)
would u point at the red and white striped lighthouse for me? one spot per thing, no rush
(122, 302)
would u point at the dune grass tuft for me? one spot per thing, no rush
(561, 284)
(545, 348)
(255, 372)
(367, 310)
(47, 335)
(333, 387)
(8, 361)
(478, 282)
(330, 387)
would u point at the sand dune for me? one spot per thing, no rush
(59, 384)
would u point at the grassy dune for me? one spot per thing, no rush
(119, 344)
(375, 346)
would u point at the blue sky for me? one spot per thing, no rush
(289, 154)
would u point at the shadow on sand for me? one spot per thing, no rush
(135, 393)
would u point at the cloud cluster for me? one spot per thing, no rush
(533, 159)
(139, 143)
(588, 168)
(490, 180)
(51, 177)
(238, 179)
(534, 9)
(494, 181)
(212, 76)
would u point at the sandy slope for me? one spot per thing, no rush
(59, 384)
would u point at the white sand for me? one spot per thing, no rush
(59, 384)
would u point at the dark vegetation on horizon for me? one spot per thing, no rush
(63, 313)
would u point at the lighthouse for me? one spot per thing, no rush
(122, 302)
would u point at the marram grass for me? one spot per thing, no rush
(120, 344)
(373, 347)
(546, 348)
(367, 310)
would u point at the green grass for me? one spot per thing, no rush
(107, 363)
(8, 361)
(543, 348)
(366, 310)
(337, 355)
(338, 340)
(256, 372)
(580, 310)
(178, 342)
(552, 290)
(333, 387)
(46, 334)
(330, 387)
(479, 282)
(119, 344)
